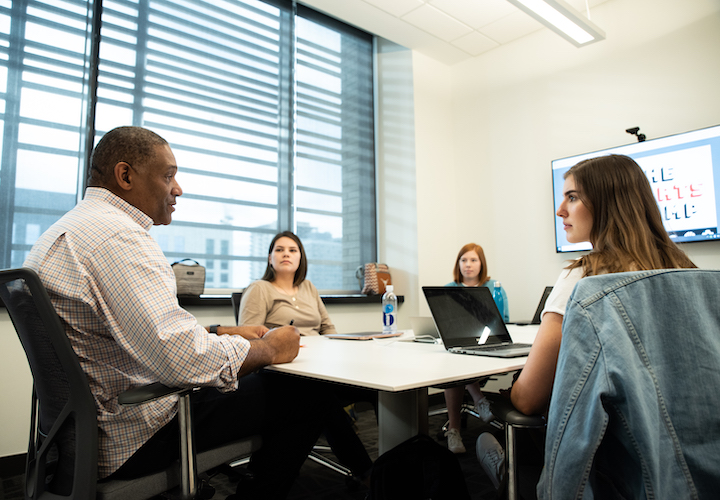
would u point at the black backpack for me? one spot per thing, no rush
(418, 468)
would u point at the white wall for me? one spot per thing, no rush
(441, 229)
(541, 98)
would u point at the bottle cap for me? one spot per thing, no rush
(388, 288)
(497, 284)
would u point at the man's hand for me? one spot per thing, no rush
(279, 345)
(285, 341)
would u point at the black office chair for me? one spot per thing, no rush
(63, 448)
(466, 409)
(316, 453)
(235, 299)
(512, 420)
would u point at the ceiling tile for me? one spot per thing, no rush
(447, 30)
(511, 27)
(475, 13)
(475, 43)
(437, 23)
(397, 8)
(580, 5)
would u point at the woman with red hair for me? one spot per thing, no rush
(470, 270)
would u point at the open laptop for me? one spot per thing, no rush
(536, 319)
(469, 322)
(424, 329)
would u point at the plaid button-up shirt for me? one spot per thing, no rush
(115, 291)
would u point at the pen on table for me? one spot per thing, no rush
(291, 324)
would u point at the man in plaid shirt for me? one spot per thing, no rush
(116, 294)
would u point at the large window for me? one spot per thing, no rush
(267, 106)
(43, 98)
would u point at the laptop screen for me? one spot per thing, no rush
(465, 314)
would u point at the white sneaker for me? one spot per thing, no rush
(455, 443)
(482, 408)
(491, 457)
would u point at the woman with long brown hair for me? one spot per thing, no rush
(285, 296)
(608, 202)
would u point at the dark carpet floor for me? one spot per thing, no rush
(321, 483)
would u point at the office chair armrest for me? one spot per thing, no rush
(145, 393)
(504, 410)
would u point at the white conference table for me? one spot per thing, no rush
(400, 370)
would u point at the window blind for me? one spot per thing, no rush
(268, 107)
(44, 47)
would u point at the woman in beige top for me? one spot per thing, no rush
(282, 297)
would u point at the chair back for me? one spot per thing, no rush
(62, 451)
(635, 408)
(235, 300)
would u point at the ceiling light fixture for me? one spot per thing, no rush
(563, 20)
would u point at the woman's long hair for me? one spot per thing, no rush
(457, 275)
(627, 233)
(301, 271)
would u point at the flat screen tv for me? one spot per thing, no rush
(684, 173)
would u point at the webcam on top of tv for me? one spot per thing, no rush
(634, 131)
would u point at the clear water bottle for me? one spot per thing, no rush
(499, 300)
(389, 308)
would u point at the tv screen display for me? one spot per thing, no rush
(684, 174)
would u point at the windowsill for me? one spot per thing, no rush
(333, 299)
(224, 300)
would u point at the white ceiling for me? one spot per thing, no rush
(449, 31)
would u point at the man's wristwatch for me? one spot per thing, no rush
(213, 329)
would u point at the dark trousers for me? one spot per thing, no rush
(284, 410)
(338, 430)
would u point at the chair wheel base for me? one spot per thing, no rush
(205, 491)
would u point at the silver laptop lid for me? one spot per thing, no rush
(466, 316)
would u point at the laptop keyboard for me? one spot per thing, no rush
(496, 347)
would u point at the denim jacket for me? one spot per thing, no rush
(635, 408)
